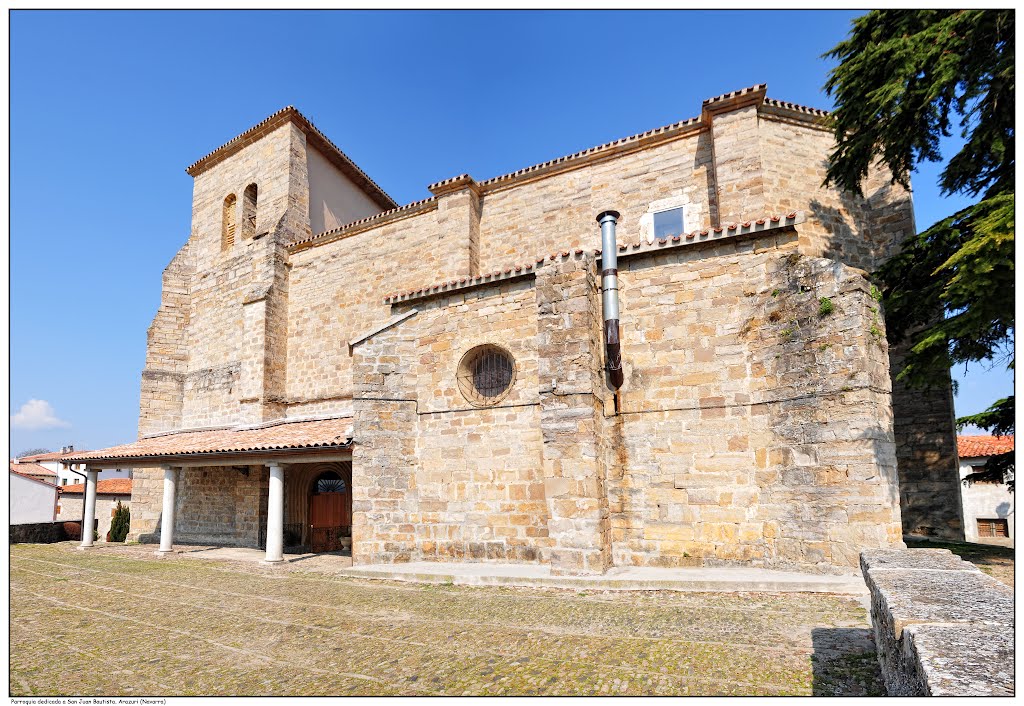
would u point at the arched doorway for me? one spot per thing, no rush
(330, 512)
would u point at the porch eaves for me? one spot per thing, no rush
(277, 439)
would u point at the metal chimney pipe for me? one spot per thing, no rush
(610, 296)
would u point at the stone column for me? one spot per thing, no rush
(275, 515)
(167, 520)
(89, 517)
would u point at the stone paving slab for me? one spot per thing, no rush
(121, 621)
(915, 596)
(965, 659)
(620, 578)
(930, 559)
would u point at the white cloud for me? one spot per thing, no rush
(37, 414)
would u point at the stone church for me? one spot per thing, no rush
(444, 380)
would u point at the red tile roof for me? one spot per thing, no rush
(977, 446)
(282, 435)
(31, 469)
(50, 456)
(107, 486)
(34, 479)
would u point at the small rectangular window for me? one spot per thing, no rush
(668, 223)
(993, 528)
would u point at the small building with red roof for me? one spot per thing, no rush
(108, 492)
(987, 507)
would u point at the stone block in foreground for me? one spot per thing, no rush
(941, 626)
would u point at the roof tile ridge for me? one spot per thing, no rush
(772, 220)
(735, 94)
(590, 150)
(328, 140)
(364, 220)
(776, 103)
(242, 135)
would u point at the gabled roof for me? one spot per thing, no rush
(979, 446)
(39, 458)
(31, 469)
(34, 480)
(107, 486)
(281, 435)
(313, 136)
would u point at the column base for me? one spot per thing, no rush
(272, 561)
(163, 552)
(83, 547)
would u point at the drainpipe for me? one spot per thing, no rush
(610, 296)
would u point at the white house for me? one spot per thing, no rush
(68, 476)
(32, 501)
(987, 507)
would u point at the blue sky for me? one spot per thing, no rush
(108, 108)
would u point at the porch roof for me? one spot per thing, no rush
(274, 439)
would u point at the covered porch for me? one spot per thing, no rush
(277, 486)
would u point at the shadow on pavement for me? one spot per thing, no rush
(844, 663)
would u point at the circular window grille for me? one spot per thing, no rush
(486, 374)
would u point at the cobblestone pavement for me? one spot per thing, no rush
(123, 622)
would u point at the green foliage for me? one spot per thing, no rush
(825, 306)
(998, 418)
(120, 523)
(904, 78)
(876, 293)
(903, 75)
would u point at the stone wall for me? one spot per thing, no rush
(930, 492)
(470, 477)
(942, 628)
(221, 505)
(859, 231)
(755, 428)
(755, 425)
(71, 510)
(39, 533)
(556, 214)
(265, 329)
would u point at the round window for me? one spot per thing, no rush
(486, 374)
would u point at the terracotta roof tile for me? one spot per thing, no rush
(106, 486)
(35, 480)
(278, 436)
(50, 456)
(977, 446)
(31, 469)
